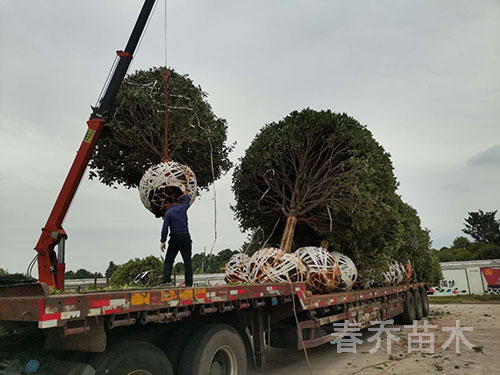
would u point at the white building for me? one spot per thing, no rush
(469, 277)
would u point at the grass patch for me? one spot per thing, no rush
(437, 367)
(466, 298)
(478, 348)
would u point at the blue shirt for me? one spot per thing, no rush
(176, 219)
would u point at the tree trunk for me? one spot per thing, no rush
(287, 239)
(324, 244)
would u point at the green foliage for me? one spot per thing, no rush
(413, 242)
(475, 251)
(112, 267)
(362, 201)
(3, 272)
(363, 216)
(460, 242)
(126, 273)
(211, 263)
(81, 274)
(133, 138)
(483, 227)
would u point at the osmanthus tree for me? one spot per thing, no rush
(413, 242)
(320, 175)
(134, 137)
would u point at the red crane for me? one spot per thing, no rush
(51, 266)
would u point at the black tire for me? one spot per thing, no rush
(174, 341)
(214, 348)
(132, 357)
(419, 309)
(425, 302)
(408, 315)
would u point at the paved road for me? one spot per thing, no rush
(484, 318)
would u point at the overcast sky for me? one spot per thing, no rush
(423, 76)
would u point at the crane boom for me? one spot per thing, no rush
(51, 267)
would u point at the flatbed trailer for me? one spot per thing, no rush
(196, 330)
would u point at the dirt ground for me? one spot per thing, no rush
(485, 359)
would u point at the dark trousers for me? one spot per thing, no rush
(179, 242)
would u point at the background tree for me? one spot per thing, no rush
(127, 272)
(483, 227)
(111, 269)
(413, 242)
(326, 172)
(212, 263)
(460, 242)
(81, 274)
(133, 138)
(3, 272)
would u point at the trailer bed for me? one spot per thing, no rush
(34, 303)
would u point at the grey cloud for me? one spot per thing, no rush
(487, 158)
(417, 73)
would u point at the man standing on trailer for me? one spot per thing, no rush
(175, 218)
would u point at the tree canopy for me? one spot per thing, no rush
(326, 169)
(126, 273)
(82, 273)
(112, 267)
(483, 227)
(133, 138)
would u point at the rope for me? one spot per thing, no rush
(209, 138)
(299, 331)
(166, 65)
(272, 232)
(166, 76)
(245, 251)
(106, 82)
(330, 217)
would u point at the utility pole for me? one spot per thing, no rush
(204, 259)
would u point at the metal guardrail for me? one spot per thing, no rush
(101, 282)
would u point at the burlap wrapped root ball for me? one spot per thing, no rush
(166, 179)
(408, 273)
(236, 270)
(348, 271)
(271, 265)
(324, 273)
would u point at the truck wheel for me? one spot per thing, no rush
(425, 301)
(132, 358)
(419, 309)
(215, 349)
(408, 315)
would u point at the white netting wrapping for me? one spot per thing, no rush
(399, 270)
(348, 271)
(274, 265)
(166, 179)
(236, 270)
(324, 273)
(368, 284)
(390, 276)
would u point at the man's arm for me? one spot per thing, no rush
(185, 202)
(164, 229)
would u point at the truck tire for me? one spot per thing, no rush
(419, 309)
(132, 358)
(214, 349)
(174, 342)
(425, 301)
(408, 315)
